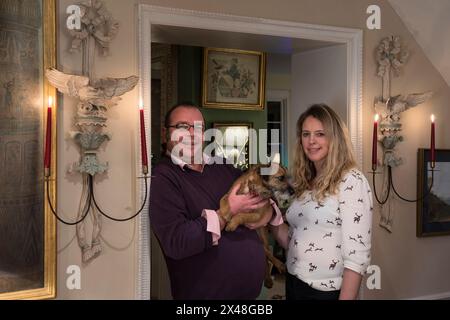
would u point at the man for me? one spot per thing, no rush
(204, 261)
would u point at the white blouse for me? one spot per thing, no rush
(330, 235)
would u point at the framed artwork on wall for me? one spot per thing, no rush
(234, 143)
(433, 210)
(233, 79)
(27, 226)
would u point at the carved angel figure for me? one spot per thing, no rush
(95, 96)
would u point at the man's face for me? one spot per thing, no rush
(189, 142)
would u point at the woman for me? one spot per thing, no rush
(329, 234)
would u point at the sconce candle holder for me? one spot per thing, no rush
(91, 203)
(392, 186)
(389, 139)
(391, 56)
(95, 97)
(89, 138)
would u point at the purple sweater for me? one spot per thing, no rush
(234, 269)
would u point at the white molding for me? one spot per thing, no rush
(284, 96)
(436, 296)
(354, 94)
(225, 22)
(143, 281)
(149, 14)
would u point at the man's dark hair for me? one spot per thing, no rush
(184, 104)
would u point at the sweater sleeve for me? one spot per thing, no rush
(356, 205)
(179, 236)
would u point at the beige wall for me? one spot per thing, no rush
(112, 275)
(410, 266)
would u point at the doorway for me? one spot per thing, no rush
(226, 31)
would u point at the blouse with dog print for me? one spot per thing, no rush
(332, 234)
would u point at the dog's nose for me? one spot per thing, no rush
(291, 190)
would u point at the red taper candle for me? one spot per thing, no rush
(48, 139)
(432, 147)
(143, 140)
(375, 144)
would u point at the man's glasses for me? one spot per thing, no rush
(187, 126)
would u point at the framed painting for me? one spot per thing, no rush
(233, 79)
(27, 226)
(234, 143)
(433, 209)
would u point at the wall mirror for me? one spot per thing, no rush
(27, 226)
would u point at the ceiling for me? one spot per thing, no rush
(235, 40)
(429, 23)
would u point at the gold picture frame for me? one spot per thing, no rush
(233, 79)
(37, 42)
(235, 143)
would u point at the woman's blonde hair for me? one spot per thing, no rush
(339, 160)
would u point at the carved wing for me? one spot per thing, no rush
(114, 87)
(415, 99)
(406, 102)
(72, 85)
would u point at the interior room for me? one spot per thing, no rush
(75, 205)
(285, 57)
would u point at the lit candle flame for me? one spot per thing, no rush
(432, 118)
(377, 117)
(141, 104)
(50, 102)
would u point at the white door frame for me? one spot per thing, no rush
(283, 96)
(149, 14)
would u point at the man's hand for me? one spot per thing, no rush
(245, 202)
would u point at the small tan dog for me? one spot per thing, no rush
(266, 186)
